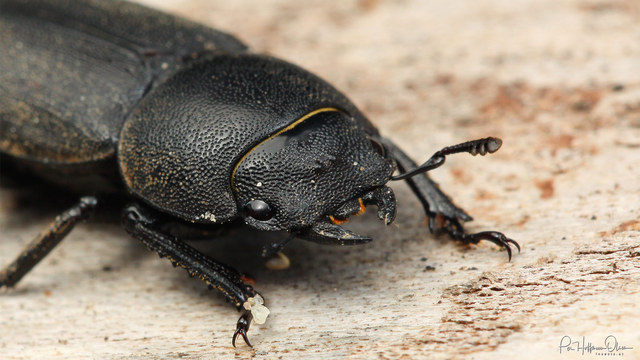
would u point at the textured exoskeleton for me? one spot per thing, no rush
(107, 96)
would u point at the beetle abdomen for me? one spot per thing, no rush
(71, 70)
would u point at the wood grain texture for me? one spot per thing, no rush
(558, 81)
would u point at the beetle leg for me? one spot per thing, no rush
(456, 231)
(140, 223)
(39, 247)
(442, 214)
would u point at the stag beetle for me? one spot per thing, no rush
(112, 97)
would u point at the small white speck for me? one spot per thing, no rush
(259, 184)
(355, 163)
(209, 216)
(164, 66)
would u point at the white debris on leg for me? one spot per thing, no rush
(259, 312)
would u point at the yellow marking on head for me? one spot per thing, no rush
(289, 127)
(362, 208)
(337, 221)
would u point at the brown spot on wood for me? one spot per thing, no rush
(563, 141)
(586, 100)
(523, 102)
(546, 188)
(484, 195)
(523, 221)
(460, 175)
(444, 79)
(626, 6)
(507, 99)
(368, 5)
(631, 225)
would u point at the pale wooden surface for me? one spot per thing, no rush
(541, 74)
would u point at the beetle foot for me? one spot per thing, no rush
(454, 228)
(242, 327)
(495, 237)
(255, 310)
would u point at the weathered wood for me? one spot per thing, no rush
(557, 81)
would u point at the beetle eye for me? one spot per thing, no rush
(378, 147)
(258, 210)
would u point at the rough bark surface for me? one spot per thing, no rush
(558, 81)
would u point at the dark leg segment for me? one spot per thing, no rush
(442, 214)
(142, 225)
(46, 241)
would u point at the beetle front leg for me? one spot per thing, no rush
(39, 247)
(141, 224)
(442, 214)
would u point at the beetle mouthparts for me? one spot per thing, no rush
(385, 200)
(328, 231)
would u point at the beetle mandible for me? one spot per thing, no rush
(112, 97)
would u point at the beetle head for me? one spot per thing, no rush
(227, 137)
(313, 174)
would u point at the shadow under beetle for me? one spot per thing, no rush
(104, 97)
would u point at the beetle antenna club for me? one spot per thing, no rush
(442, 214)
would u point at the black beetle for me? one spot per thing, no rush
(104, 97)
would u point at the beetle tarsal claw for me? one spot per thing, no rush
(244, 322)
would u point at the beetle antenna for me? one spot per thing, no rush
(474, 147)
